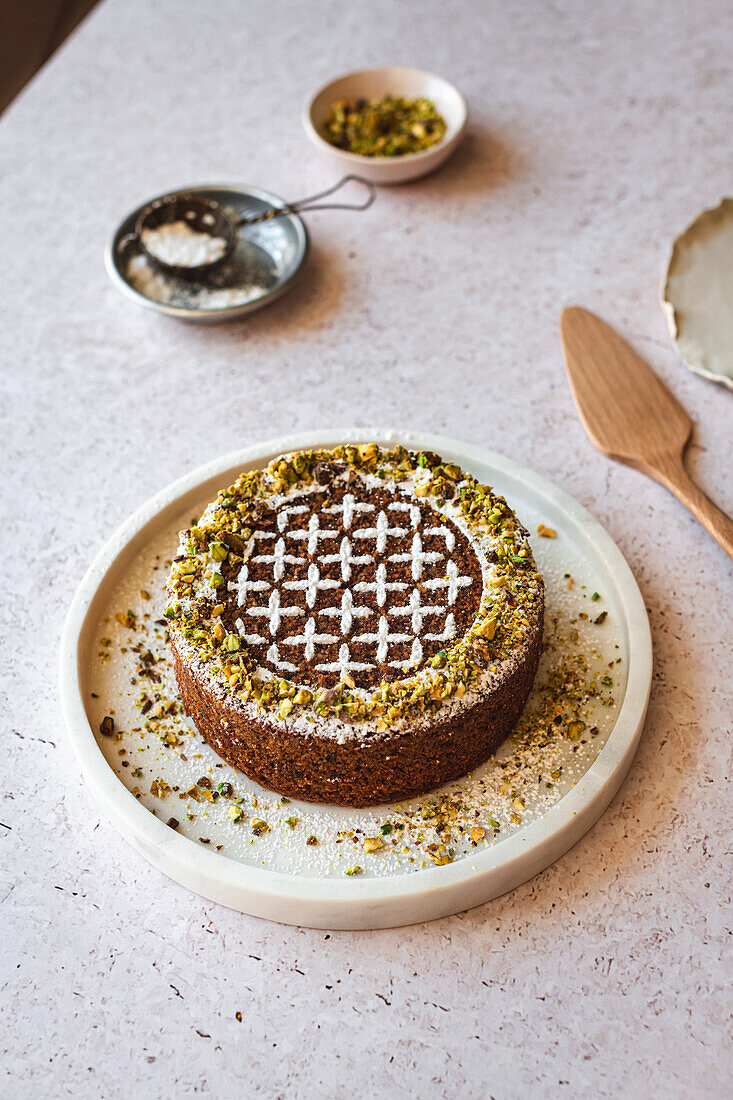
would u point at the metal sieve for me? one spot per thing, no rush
(208, 216)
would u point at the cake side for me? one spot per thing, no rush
(304, 761)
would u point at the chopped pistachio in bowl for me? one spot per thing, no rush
(399, 85)
(390, 126)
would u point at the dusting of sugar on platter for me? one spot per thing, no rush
(387, 865)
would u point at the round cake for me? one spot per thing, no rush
(355, 626)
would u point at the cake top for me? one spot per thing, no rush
(354, 584)
(373, 584)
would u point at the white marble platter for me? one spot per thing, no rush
(543, 791)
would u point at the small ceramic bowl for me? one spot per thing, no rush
(373, 84)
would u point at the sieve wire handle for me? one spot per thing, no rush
(311, 203)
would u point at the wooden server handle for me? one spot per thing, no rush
(672, 474)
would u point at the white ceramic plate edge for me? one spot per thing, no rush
(669, 308)
(358, 903)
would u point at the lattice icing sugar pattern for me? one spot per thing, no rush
(358, 583)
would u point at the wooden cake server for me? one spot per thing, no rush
(631, 416)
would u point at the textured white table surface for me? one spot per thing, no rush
(597, 132)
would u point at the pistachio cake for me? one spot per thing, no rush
(355, 626)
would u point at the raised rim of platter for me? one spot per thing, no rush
(369, 902)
